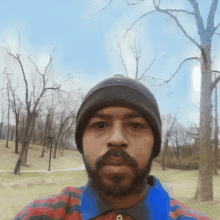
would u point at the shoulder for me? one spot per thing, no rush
(179, 211)
(54, 206)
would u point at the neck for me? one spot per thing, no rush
(126, 202)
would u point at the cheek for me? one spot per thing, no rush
(93, 149)
(87, 150)
(87, 157)
(142, 151)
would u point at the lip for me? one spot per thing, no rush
(116, 161)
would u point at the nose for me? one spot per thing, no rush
(117, 137)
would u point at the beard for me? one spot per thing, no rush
(136, 185)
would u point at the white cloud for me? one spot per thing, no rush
(196, 78)
(196, 85)
(117, 35)
(43, 60)
(193, 116)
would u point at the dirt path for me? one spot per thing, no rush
(38, 171)
(154, 164)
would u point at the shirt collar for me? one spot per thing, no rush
(155, 203)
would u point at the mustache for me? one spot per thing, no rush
(130, 161)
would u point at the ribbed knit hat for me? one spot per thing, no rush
(120, 90)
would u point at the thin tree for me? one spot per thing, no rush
(45, 133)
(8, 130)
(2, 121)
(169, 129)
(215, 156)
(63, 121)
(136, 49)
(16, 109)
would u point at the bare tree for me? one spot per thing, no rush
(136, 49)
(16, 109)
(32, 99)
(2, 121)
(8, 130)
(177, 150)
(169, 127)
(45, 133)
(215, 156)
(63, 121)
(204, 191)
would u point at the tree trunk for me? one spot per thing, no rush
(27, 135)
(20, 158)
(45, 135)
(41, 138)
(6, 145)
(62, 145)
(55, 149)
(164, 155)
(215, 156)
(58, 136)
(16, 134)
(24, 161)
(1, 125)
(205, 185)
(34, 137)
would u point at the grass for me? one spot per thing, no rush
(184, 185)
(8, 158)
(17, 191)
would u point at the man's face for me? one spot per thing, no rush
(118, 144)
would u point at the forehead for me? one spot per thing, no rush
(117, 111)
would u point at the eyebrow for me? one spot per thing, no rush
(127, 116)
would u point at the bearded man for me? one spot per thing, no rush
(118, 133)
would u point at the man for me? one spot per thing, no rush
(118, 133)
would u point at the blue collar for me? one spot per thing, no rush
(155, 205)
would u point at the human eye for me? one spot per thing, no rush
(135, 125)
(100, 125)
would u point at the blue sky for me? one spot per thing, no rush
(86, 45)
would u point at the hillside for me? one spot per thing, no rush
(8, 158)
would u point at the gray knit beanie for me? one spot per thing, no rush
(120, 90)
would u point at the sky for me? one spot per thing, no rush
(83, 44)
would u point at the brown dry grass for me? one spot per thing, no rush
(29, 186)
(8, 158)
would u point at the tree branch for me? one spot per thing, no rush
(53, 88)
(177, 22)
(48, 65)
(214, 83)
(149, 66)
(217, 26)
(211, 16)
(134, 3)
(137, 21)
(101, 10)
(136, 56)
(191, 58)
(24, 77)
(180, 10)
(186, 130)
(198, 17)
(119, 45)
